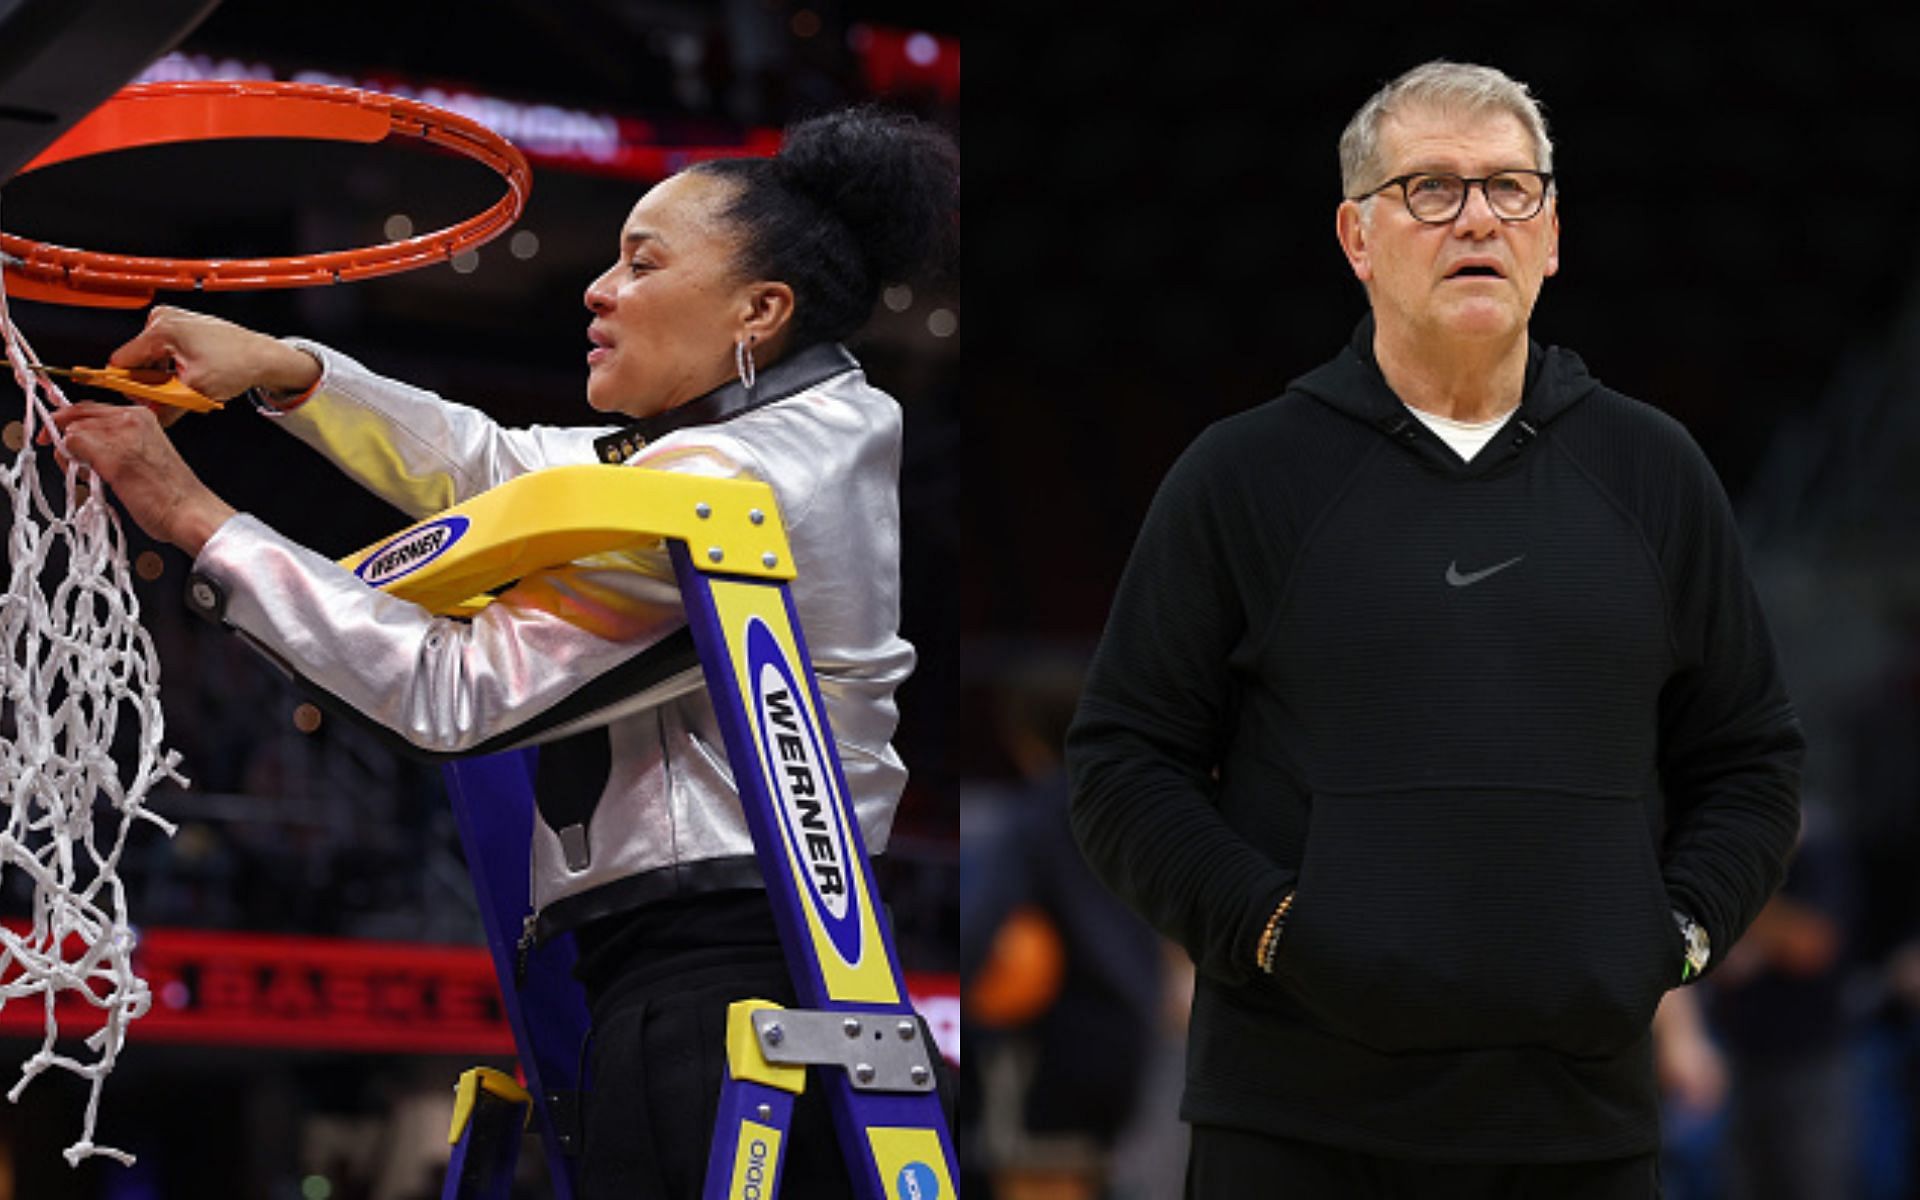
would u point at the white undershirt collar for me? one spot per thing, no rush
(1465, 438)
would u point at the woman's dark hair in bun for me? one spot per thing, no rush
(856, 199)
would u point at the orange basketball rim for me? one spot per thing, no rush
(153, 114)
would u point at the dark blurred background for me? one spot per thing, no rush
(299, 824)
(1738, 191)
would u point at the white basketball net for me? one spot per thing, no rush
(74, 661)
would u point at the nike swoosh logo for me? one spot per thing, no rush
(1455, 578)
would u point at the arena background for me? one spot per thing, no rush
(275, 1065)
(1738, 195)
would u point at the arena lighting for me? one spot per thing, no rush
(214, 987)
(922, 49)
(896, 61)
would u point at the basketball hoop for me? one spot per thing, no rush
(154, 114)
(78, 671)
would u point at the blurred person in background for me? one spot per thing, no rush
(1778, 1009)
(1061, 983)
(1692, 1075)
(1436, 717)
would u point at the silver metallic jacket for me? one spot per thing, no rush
(668, 819)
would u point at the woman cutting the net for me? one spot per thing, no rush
(717, 332)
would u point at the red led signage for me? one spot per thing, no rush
(213, 987)
(322, 993)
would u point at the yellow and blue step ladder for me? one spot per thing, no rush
(855, 1031)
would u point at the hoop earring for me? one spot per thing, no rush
(743, 362)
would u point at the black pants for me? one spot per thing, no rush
(1234, 1163)
(655, 1062)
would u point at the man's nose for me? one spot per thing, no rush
(1477, 215)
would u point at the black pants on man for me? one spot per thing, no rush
(1234, 1163)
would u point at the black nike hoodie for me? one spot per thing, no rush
(1492, 721)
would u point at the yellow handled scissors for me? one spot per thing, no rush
(130, 383)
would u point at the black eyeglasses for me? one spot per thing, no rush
(1439, 197)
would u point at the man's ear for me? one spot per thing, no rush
(1350, 226)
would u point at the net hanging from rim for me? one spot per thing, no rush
(78, 674)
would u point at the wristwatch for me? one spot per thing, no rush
(1699, 948)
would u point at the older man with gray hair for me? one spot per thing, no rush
(1436, 716)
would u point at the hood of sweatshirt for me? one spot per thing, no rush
(1351, 382)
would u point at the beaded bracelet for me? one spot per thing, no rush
(1270, 936)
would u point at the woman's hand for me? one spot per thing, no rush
(126, 447)
(214, 357)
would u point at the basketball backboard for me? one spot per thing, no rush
(60, 58)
